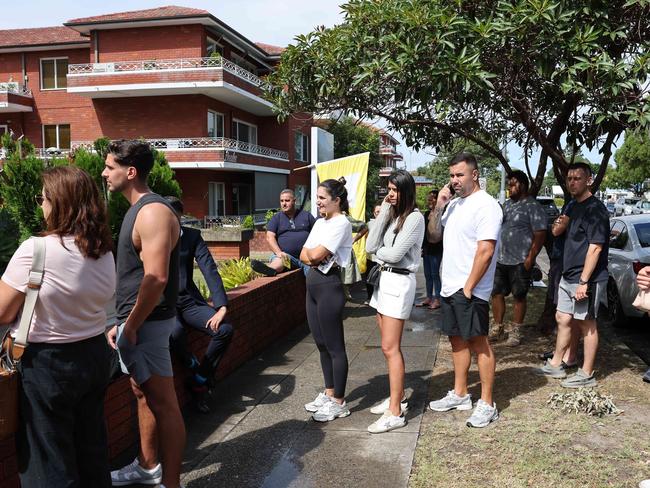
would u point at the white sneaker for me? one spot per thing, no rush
(133, 474)
(645, 484)
(318, 402)
(483, 415)
(330, 411)
(382, 406)
(387, 422)
(451, 402)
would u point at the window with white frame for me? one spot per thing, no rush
(54, 73)
(302, 146)
(216, 199)
(57, 136)
(215, 124)
(213, 47)
(243, 132)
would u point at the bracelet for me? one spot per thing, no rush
(582, 282)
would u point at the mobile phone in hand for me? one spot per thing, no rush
(451, 189)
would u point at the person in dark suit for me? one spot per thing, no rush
(193, 311)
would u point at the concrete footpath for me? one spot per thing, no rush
(259, 434)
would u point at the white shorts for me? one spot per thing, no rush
(395, 294)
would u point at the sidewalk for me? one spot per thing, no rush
(259, 434)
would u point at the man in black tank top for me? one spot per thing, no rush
(147, 290)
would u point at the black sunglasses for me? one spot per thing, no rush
(39, 199)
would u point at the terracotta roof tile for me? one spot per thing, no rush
(152, 13)
(270, 49)
(39, 36)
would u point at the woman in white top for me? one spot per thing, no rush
(327, 249)
(395, 239)
(65, 368)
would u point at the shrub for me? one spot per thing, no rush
(235, 272)
(9, 232)
(21, 183)
(269, 214)
(248, 222)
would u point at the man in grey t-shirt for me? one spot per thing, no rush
(522, 237)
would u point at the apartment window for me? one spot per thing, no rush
(302, 146)
(214, 47)
(57, 136)
(242, 63)
(215, 124)
(243, 132)
(216, 199)
(53, 73)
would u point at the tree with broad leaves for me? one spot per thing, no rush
(553, 76)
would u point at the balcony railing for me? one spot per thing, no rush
(165, 65)
(15, 88)
(207, 143)
(387, 149)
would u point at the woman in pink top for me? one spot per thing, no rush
(65, 369)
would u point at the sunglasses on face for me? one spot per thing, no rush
(39, 200)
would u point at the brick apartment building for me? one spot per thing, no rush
(178, 77)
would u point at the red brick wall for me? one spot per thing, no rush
(258, 242)
(228, 250)
(253, 309)
(170, 42)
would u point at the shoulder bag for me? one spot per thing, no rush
(11, 350)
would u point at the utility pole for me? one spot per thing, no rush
(502, 193)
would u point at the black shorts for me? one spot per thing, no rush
(511, 278)
(465, 317)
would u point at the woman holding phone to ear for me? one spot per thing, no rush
(327, 249)
(395, 240)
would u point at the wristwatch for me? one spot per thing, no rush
(582, 282)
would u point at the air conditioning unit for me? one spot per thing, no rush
(103, 67)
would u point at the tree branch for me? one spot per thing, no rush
(459, 132)
(607, 153)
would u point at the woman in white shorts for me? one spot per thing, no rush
(395, 239)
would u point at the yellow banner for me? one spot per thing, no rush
(355, 171)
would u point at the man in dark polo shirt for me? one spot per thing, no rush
(286, 233)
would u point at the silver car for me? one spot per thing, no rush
(623, 205)
(629, 251)
(641, 207)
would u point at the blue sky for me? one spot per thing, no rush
(271, 21)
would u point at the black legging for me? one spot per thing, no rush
(325, 302)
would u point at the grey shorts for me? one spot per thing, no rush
(150, 356)
(586, 309)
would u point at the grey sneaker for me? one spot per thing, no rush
(386, 423)
(553, 371)
(330, 411)
(318, 402)
(133, 474)
(382, 406)
(483, 415)
(451, 402)
(579, 379)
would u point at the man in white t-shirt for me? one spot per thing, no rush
(471, 225)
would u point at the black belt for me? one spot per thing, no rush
(390, 269)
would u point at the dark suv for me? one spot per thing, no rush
(550, 208)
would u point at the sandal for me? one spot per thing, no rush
(425, 303)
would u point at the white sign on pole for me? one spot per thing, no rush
(322, 149)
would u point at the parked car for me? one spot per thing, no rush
(623, 205)
(611, 207)
(641, 207)
(550, 208)
(629, 252)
